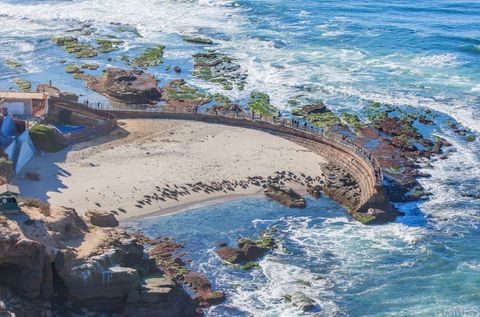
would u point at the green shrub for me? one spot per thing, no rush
(45, 138)
(37, 203)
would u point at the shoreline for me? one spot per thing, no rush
(186, 207)
(151, 167)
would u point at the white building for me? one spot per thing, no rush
(24, 103)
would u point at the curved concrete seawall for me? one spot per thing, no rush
(354, 159)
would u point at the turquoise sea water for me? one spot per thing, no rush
(347, 53)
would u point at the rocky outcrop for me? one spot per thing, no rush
(168, 258)
(247, 251)
(202, 286)
(315, 191)
(302, 302)
(101, 219)
(315, 108)
(126, 86)
(25, 265)
(220, 69)
(285, 196)
(181, 97)
(61, 262)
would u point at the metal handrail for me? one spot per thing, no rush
(314, 132)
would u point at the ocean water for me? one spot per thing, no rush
(347, 53)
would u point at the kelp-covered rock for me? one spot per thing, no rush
(198, 39)
(219, 68)
(225, 107)
(260, 104)
(73, 46)
(72, 69)
(314, 108)
(151, 57)
(181, 97)
(108, 45)
(247, 251)
(126, 29)
(90, 66)
(285, 196)
(23, 84)
(126, 86)
(13, 63)
(168, 258)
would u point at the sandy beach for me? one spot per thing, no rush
(144, 157)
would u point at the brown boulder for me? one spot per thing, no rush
(126, 86)
(315, 191)
(251, 251)
(101, 219)
(24, 266)
(315, 108)
(285, 196)
(231, 255)
(247, 250)
(202, 286)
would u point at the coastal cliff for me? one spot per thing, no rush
(55, 263)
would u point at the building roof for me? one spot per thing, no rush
(9, 188)
(23, 95)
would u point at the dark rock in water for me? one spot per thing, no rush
(377, 216)
(197, 39)
(251, 251)
(206, 297)
(126, 86)
(247, 250)
(177, 69)
(315, 191)
(302, 301)
(219, 68)
(285, 196)
(315, 108)
(231, 255)
(101, 219)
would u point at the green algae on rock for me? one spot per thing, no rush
(72, 69)
(197, 39)
(180, 90)
(247, 252)
(72, 46)
(24, 85)
(260, 104)
(323, 120)
(12, 63)
(125, 28)
(151, 57)
(107, 46)
(90, 66)
(352, 121)
(220, 69)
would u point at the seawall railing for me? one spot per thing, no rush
(341, 150)
(351, 156)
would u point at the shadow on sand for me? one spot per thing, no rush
(46, 165)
